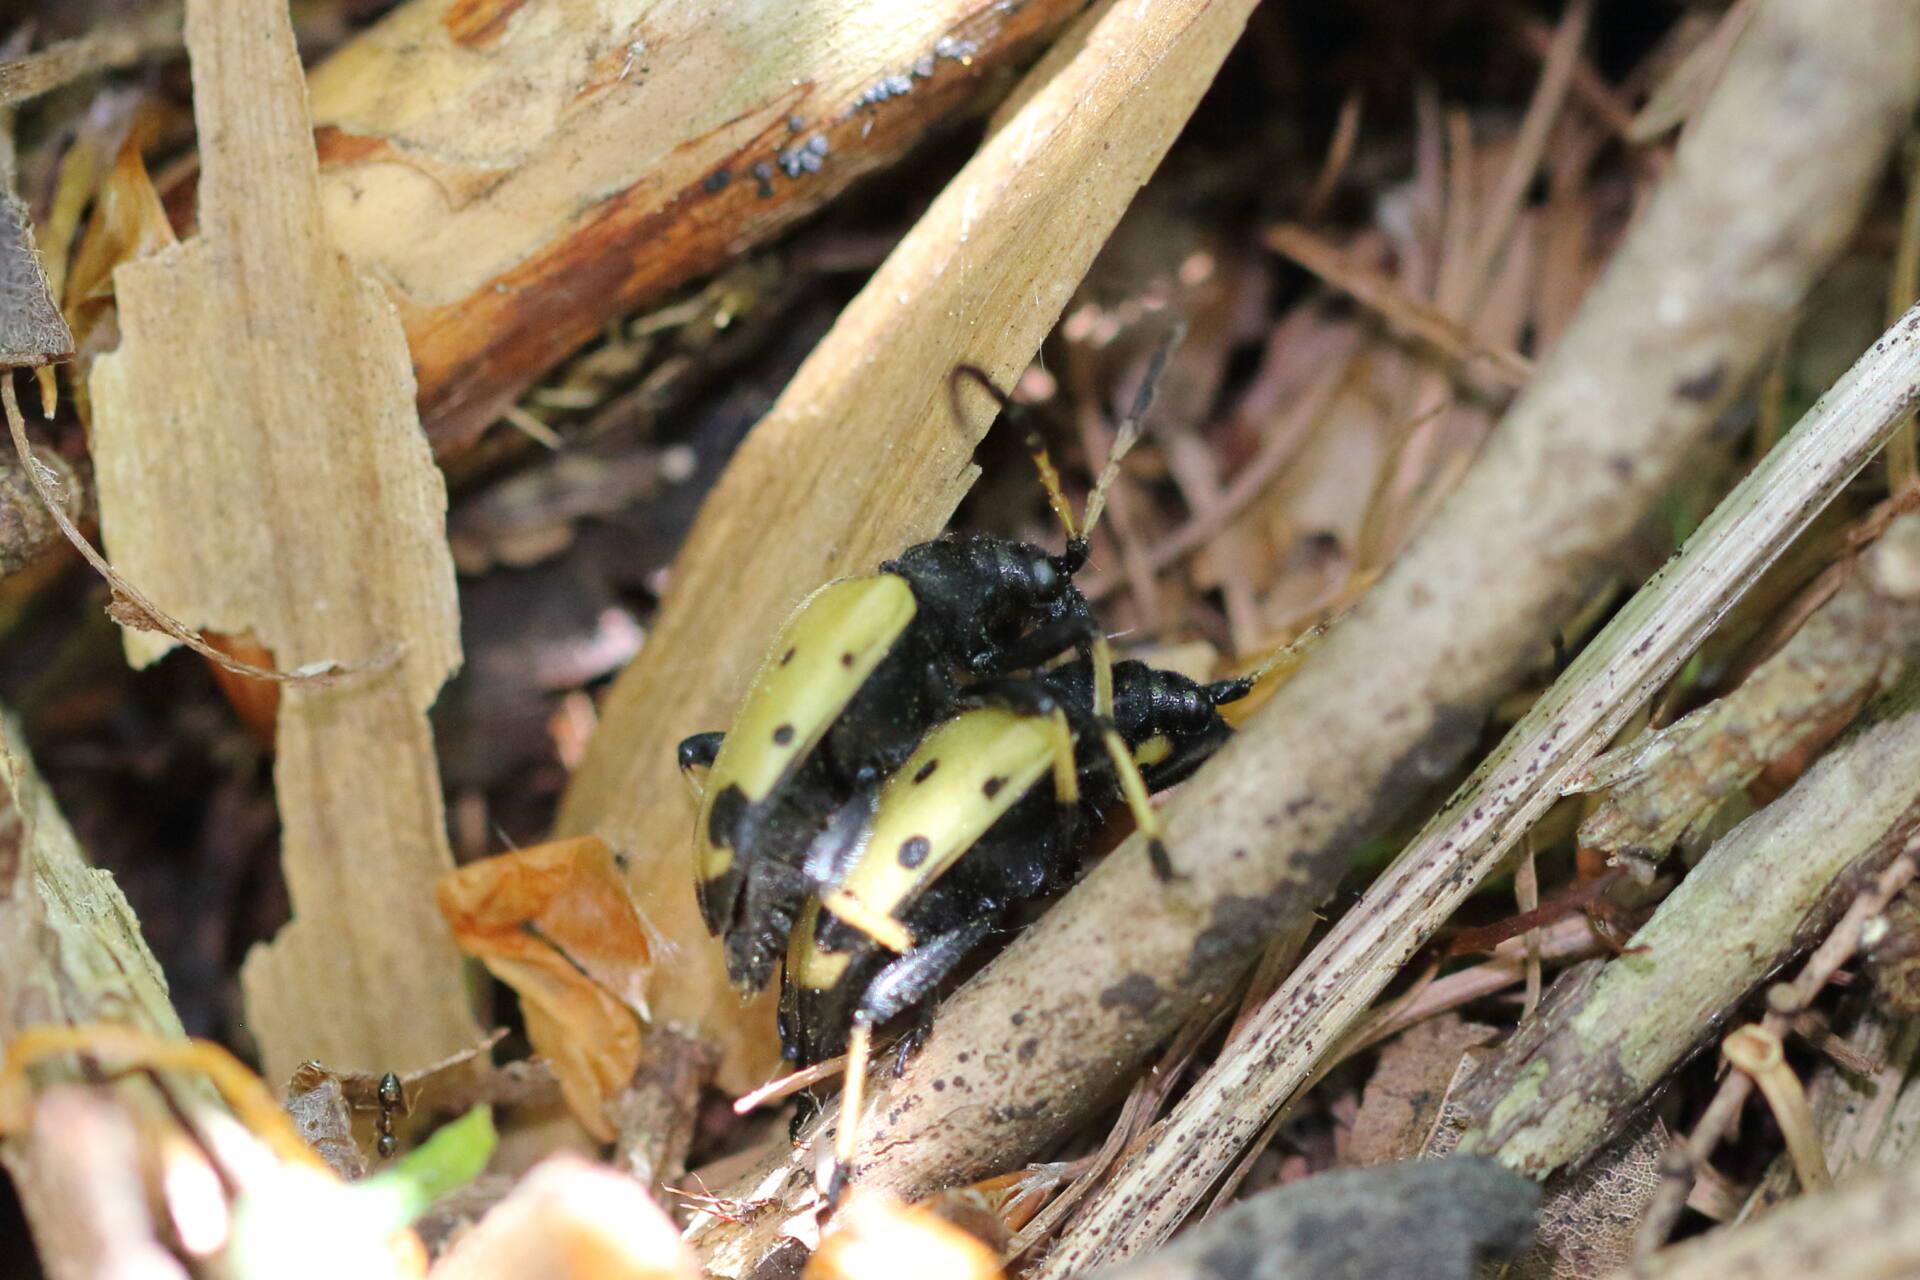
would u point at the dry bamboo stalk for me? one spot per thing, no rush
(1692, 302)
(261, 471)
(517, 175)
(862, 455)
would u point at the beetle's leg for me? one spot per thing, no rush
(1145, 818)
(1127, 434)
(911, 1040)
(895, 989)
(1125, 769)
(1013, 693)
(1076, 629)
(698, 751)
(912, 978)
(773, 895)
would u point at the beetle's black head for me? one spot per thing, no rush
(1031, 577)
(751, 953)
(1074, 559)
(1178, 716)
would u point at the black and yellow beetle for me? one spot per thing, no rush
(992, 809)
(858, 673)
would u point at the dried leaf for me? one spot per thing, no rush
(128, 223)
(555, 923)
(1403, 1098)
(1588, 1219)
(319, 1109)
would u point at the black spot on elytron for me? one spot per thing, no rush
(846, 659)
(783, 735)
(728, 807)
(925, 771)
(786, 657)
(914, 851)
(991, 787)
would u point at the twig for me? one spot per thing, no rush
(113, 42)
(1645, 642)
(1346, 132)
(1567, 940)
(1281, 445)
(1503, 212)
(789, 1084)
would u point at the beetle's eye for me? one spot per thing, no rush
(1044, 577)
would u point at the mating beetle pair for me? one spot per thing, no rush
(989, 811)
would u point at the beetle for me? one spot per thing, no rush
(991, 810)
(968, 827)
(856, 675)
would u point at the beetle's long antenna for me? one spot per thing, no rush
(1042, 460)
(1128, 432)
(1266, 676)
